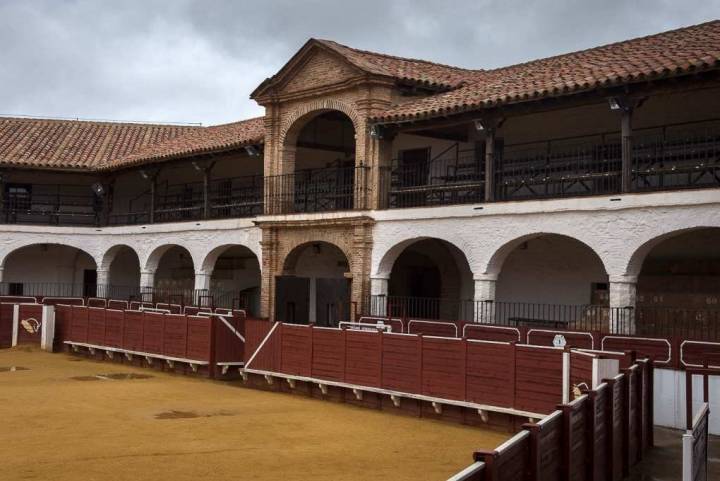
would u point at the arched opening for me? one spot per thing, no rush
(682, 271)
(235, 279)
(550, 277)
(123, 273)
(431, 279)
(174, 280)
(324, 162)
(50, 270)
(315, 286)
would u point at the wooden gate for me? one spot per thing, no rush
(292, 299)
(332, 301)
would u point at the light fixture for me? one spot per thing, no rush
(479, 125)
(375, 132)
(98, 188)
(144, 174)
(618, 103)
(197, 166)
(252, 150)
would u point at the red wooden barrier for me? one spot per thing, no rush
(581, 371)
(6, 325)
(296, 350)
(546, 448)
(575, 453)
(600, 431)
(490, 374)
(228, 346)
(510, 461)
(328, 354)
(63, 321)
(79, 324)
(659, 350)
(199, 338)
(153, 332)
(493, 333)
(33, 314)
(538, 380)
(175, 329)
(114, 326)
(96, 326)
(133, 333)
(443, 368)
(545, 337)
(402, 358)
(363, 359)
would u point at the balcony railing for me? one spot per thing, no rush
(453, 177)
(52, 209)
(317, 190)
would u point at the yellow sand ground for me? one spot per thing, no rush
(54, 427)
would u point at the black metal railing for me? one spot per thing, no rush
(453, 177)
(577, 169)
(236, 197)
(60, 208)
(687, 323)
(676, 160)
(317, 190)
(179, 202)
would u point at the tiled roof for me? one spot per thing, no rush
(72, 144)
(406, 69)
(198, 141)
(676, 52)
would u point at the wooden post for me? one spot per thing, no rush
(627, 154)
(490, 164)
(153, 182)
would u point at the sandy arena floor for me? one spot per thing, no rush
(54, 427)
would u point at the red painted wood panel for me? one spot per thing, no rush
(328, 354)
(581, 367)
(296, 350)
(79, 324)
(697, 354)
(6, 324)
(550, 439)
(434, 328)
(33, 314)
(659, 350)
(545, 337)
(491, 373)
(96, 326)
(63, 319)
(538, 380)
(120, 305)
(114, 323)
(199, 338)
(492, 333)
(133, 332)
(443, 368)
(175, 335)
(363, 358)
(267, 358)
(153, 330)
(228, 347)
(401, 361)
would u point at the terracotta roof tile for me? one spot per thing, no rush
(198, 141)
(670, 53)
(71, 144)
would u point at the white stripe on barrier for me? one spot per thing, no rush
(688, 364)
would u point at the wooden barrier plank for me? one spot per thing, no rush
(79, 324)
(490, 373)
(228, 346)
(96, 326)
(153, 331)
(538, 378)
(296, 349)
(133, 332)
(401, 355)
(659, 350)
(363, 361)
(63, 320)
(114, 324)
(573, 339)
(599, 432)
(576, 452)
(492, 333)
(175, 332)
(443, 368)
(6, 325)
(328, 354)
(199, 338)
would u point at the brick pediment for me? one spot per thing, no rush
(318, 69)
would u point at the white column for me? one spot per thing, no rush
(485, 298)
(202, 286)
(623, 294)
(147, 282)
(102, 283)
(379, 287)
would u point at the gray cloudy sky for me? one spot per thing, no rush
(198, 61)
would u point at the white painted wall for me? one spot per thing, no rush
(125, 269)
(670, 399)
(549, 270)
(47, 263)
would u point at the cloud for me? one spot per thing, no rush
(198, 61)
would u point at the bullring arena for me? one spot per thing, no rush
(403, 270)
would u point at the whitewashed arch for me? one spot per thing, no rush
(388, 258)
(638, 255)
(110, 253)
(69, 242)
(151, 261)
(498, 257)
(210, 258)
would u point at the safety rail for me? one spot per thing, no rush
(317, 190)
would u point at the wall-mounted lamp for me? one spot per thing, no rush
(98, 188)
(618, 103)
(196, 166)
(252, 150)
(144, 174)
(479, 125)
(375, 132)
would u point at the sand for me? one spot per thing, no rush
(59, 421)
